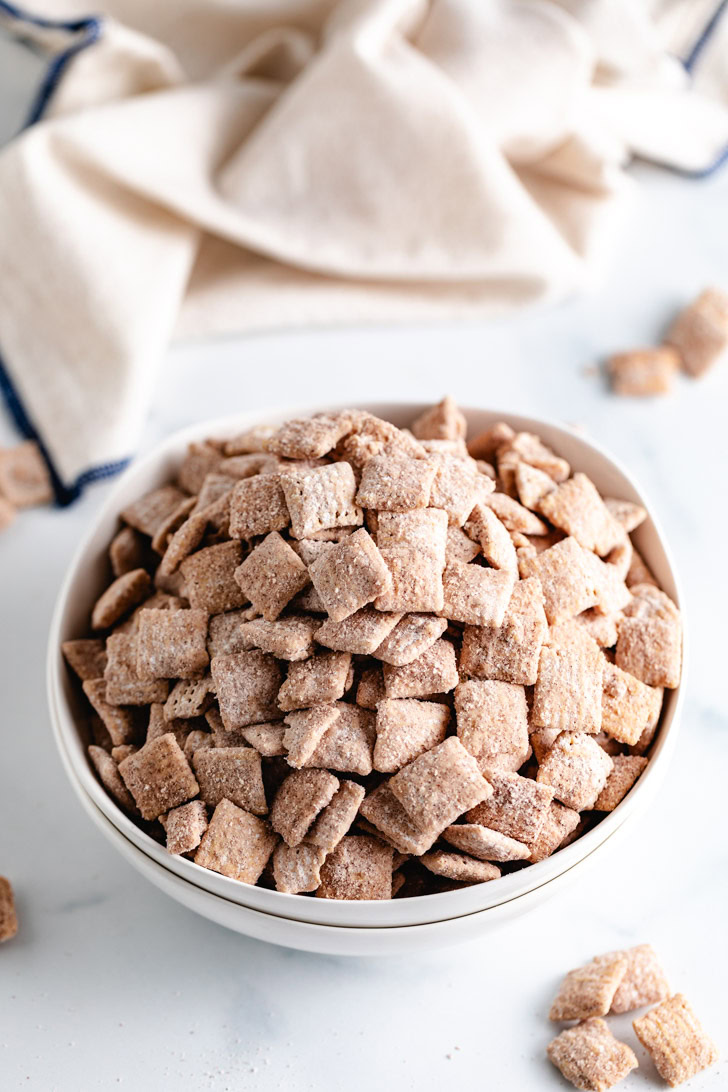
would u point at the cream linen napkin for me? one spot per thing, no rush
(205, 166)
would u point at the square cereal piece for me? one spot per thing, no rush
(350, 574)
(700, 331)
(320, 498)
(153, 509)
(576, 768)
(246, 684)
(289, 638)
(487, 443)
(225, 633)
(443, 421)
(384, 811)
(209, 577)
(159, 777)
(576, 508)
(517, 807)
(171, 644)
(532, 485)
(347, 746)
(424, 529)
(86, 657)
(675, 1040)
(492, 722)
(476, 595)
(267, 739)
(514, 515)
(361, 633)
(485, 844)
(24, 478)
(201, 459)
(236, 844)
(392, 483)
(406, 728)
(169, 526)
(370, 436)
(412, 636)
(649, 642)
(297, 868)
(589, 990)
(317, 681)
(415, 581)
(459, 867)
(123, 594)
(434, 672)
(567, 579)
(128, 551)
(304, 730)
(511, 651)
(8, 915)
(359, 867)
(370, 690)
(336, 818)
(568, 691)
(231, 773)
(122, 724)
(188, 698)
(440, 785)
(299, 800)
(185, 826)
(271, 575)
(108, 774)
(258, 506)
(625, 772)
(456, 488)
(559, 824)
(629, 706)
(493, 537)
(642, 372)
(460, 547)
(185, 540)
(644, 981)
(309, 437)
(590, 1057)
(123, 685)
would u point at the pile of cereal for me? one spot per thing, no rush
(346, 658)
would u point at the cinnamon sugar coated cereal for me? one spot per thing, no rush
(590, 1057)
(333, 640)
(675, 1040)
(8, 916)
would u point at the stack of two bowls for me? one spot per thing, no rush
(325, 925)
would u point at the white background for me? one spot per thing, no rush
(110, 983)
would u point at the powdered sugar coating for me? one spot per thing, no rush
(590, 1057)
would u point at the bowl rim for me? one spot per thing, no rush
(362, 913)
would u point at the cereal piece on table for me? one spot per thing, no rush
(236, 844)
(425, 529)
(602, 628)
(494, 539)
(649, 644)
(171, 644)
(627, 513)
(517, 807)
(299, 800)
(349, 575)
(271, 575)
(108, 773)
(568, 691)
(458, 866)
(509, 652)
(532, 485)
(434, 672)
(347, 746)
(266, 738)
(577, 508)
(360, 633)
(589, 990)
(626, 771)
(567, 578)
(159, 777)
(412, 636)
(24, 478)
(359, 867)
(560, 822)
(459, 547)
(643, 372)
(231, 773)
(8, 915)
(576, 768)
(297, 868)
(590, 1057)
(153, 509)
(316, 681)
(439, 786)
(185, 826)
(258, 506)
(443, 421)
(209, 577)
(700, 331)
(485, 844)
(289, 638)
(336, 818)
(7, 513)
(250, 441)
(384, 811)
(628, 705)
(125, 592)
(492, 722)
(169, 526)
(675, 1040)
(200, 460)
(188, 698)
(456, 488)
(644, 981)
(86, 657)
(304, 730)
(121, 723)
(514, 515)
(476, 595)
(320, 498)
(123, 685)
(371, 688)
(128, 551)
(406, 728)
(309, 437)
(414, 581)
(247, 685)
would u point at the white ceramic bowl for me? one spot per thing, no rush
(84, 581)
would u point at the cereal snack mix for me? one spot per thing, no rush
(8, 916)
(675, 1040)
(334, 646)
(590, 1057)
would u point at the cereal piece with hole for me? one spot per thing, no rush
(589, 990)
(700, 331)
(625, 772)
(360, 867)
(459, 867)
(271, 575)
(349, 575)
(231, 773)
(568, 691)
(236, 844)
(532, 485)
(189, 698)
(159, 777)
(495, 541)
(649, 643)
(370, 690)
(317, 681)
(109, 776)
(8, 915)
(309, 437)
(122, 724)
(86, 657)
(485, 844)
(410, 638)
(415, 581)
(209, 577)
(123, 685)
(267, 739)
(289, 638)
(153, 509)
(299, 800)
(125, 592)
(347, 746)
(509, 652)
(171, 644)
(361, 633)
(185, 826)
(384, 811)
(406, 728)
(644, 981)
(514, 515)
(391, 483)
(320, 498)
(517, 806)
(24, 478)
(492, 722)
(576, 508)
(443, 421)
(559, 824)
(297, 868)
(440, 785)
(628, 705)
(424, 529)
(304, 730)
(456, 488)
(643, 372)
(576, 768)
(336, 818)
(675, 1040)
(258, 506)
(247, 685)
(434, 672)
(567, 578)
(590, 1057)
(476, 595)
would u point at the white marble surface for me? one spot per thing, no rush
(111, 984)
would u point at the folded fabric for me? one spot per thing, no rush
(203, 167)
